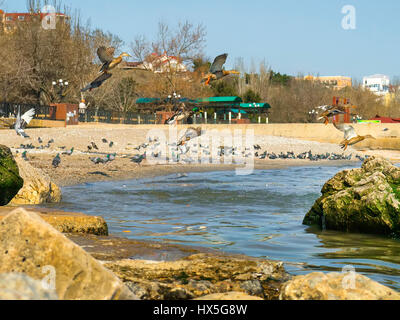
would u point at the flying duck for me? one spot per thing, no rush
(190, 134)
(350, 135)
(217, 70)
(106, 56)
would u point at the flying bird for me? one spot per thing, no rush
(23, 121)
(97, 82)
(180, 115)
(106, 56)
(330, 111)
(190, 134)
(217, 70)
(350, 135)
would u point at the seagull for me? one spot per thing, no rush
(23, 121)
(56, 161)
(350, 135)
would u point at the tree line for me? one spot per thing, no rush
(32, 57)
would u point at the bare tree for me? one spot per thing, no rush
(185, 43)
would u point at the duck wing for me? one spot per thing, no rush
(106, 55)
(97, 82)
(349, 132)
(218, 63)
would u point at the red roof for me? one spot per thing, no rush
(386, 119)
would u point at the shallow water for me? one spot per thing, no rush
(258, 215)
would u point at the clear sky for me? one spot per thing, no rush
(292, 36)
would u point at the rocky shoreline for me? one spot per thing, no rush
(90, 267)
(47, 254)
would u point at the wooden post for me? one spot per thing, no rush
(205, 117)
(230, 117)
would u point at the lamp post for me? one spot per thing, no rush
(312, 114)
(61, 85)
(174, 98)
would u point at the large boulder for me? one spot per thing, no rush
(200, 275)
(31, 246)
(37, 188)
(10, 180)
(21, 287)
(336, 286)
(365, 200)
(67, 222)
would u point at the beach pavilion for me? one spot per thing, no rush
(214, 109)
(232, 109)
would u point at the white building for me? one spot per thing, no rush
(163, 64)
(378, 84)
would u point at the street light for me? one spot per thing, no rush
(62, 85)
(174, 98)
(313, 113)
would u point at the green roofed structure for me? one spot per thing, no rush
(148, 100)
(222, 109)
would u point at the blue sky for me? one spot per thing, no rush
(291, 36)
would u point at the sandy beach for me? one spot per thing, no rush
(78, 168)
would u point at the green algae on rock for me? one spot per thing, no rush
(10, 180)
(365, 200)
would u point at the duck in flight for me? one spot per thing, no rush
(350, 135)
(217, 70)
(106, 56)
(190, 134)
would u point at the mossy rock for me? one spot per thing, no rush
(365, 200)
(10, 180)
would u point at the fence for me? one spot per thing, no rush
(103, 116)
(10, 110)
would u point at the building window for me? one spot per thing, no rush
(21, 18)
(9, 19)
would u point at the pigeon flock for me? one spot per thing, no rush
(186, 150)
